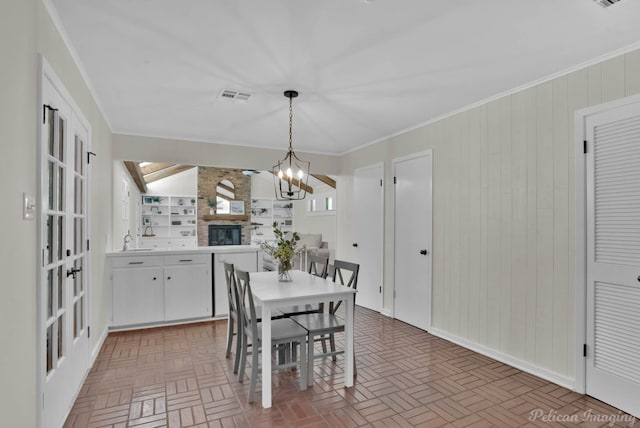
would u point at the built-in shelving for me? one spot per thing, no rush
(168, 221)
(264, 212)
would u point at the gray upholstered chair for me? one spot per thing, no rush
(283, 332)
(323, 326)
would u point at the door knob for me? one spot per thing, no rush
(424, 252)
(355, 244)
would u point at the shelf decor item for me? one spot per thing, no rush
(237, 207)
(283, 251)
(212, 202)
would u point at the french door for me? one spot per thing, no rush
(613, 257)
(63, 294)
(413, 202)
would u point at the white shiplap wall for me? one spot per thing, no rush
(503, 220)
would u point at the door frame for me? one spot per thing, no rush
(46, 72)
(382, 247)
(429, 155)
(580, 177)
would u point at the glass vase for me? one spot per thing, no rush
(284, 266)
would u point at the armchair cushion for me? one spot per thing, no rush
(310, 240)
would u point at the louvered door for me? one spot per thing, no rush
(613, 257)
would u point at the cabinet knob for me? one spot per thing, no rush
(168, 277)
(154, 278)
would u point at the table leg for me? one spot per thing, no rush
(266, 355)
(348, 346)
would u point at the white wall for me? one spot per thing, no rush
(121, 174)
(135, 148)
(18, 77)
(184, 183)
(25, 31)
(262, 185)
(325, 224)
(503, 207)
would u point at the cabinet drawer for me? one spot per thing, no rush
(187, 259)
(136, 261)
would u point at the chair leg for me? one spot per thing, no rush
(243, 358)
(323, 340)
(332, 342)
(254, 372)
(294, 352)
(304, 362)
(239, 340)
(309, 360)
(230, 333)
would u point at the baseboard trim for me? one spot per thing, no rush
(165, 323)
(96, 349)
(386, 312)
(525, 366)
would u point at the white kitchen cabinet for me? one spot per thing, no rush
(246, 261)
(149, 289)
(187, 287)
(156, 287)
(138, 294)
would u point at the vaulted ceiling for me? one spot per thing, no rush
(365, 69)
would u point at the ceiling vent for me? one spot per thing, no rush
(231, 95)
(606, 3)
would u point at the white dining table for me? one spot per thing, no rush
(304, 288)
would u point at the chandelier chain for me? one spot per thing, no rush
(290, 123)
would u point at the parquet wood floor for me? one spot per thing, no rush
(179, 377)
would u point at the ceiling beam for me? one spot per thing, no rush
(325, 179)
(136, 175)
(303, 186)
(167, 172)
(154, 167)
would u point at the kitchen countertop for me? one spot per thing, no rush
(198, 250)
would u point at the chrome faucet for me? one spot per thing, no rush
(127, 239)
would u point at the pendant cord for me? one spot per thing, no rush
(290, 124)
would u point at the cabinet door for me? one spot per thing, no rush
(138, 295)
(187, 292)
(243, 261)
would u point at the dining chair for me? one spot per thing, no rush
(233, 318)
(283, 332)
(318, 267)
(323, 326)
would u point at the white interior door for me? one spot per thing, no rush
(613, 257)
(368, 225)
(413, 195)
(64, 344)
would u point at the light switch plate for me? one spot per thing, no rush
(28, 207)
